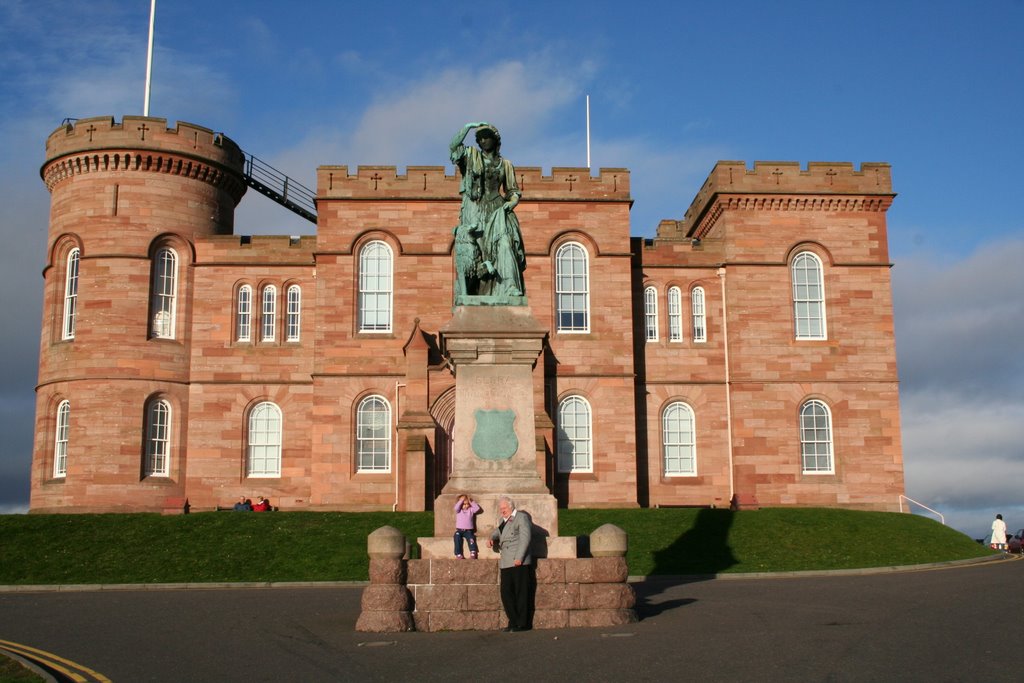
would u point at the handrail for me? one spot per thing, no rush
(936, 512)
(286, 191)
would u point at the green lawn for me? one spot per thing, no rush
(331, 546)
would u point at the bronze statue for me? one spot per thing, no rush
(489, 254)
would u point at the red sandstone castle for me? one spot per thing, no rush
(745, 355)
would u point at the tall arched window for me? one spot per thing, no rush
(808, 296)
(375, 285)
(70, 294)
(294, 313)
(816, 438)
(651, 314)
(264, 456)
(164, 295)
(572, 288)
(268, 314)
(60, 441)
(158, 439)
(678, 440)
(373, 435)
(243, 331)
(675, 315)
(700, 330)
(575, 438)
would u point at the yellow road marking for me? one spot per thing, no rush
(51, 659)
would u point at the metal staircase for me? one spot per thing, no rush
(286, 191)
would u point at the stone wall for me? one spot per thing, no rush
(463, 595)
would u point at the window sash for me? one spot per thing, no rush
(816, 439)
(675, 315)
(268, 314)
(244, 331)
(651, 314)
(158, 439)
(572, 289)
(808, 297)
(265, 439)
(375, 288)
(60, 441)
(575, 438)
(293, 314)
(165, 290)
(679, 447)
(697, 309)
(373, 435)
(70, 294)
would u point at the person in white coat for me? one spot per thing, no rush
(999, 533)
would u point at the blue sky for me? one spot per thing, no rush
(934, 88)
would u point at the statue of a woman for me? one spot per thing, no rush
(489, 253)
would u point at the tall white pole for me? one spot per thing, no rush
(149, 57)
(588, 128)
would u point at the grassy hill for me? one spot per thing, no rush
(331, 546)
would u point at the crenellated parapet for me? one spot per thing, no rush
(783, 186)
(143, 144)
(433, 182)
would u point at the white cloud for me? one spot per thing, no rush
(958, 329)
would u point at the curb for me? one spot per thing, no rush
(865, 571)
(262, 585)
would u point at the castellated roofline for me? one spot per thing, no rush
(433, 182)
(141, 143)
(783, 185)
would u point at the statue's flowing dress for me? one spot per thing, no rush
(483, 180)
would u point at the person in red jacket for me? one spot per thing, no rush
(262, 505)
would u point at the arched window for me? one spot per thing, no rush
(808, 297)
(678, 440)
(264, 457)
(816, 438)
(70, 294)
(572, 288)
(158, 439)
(243, 331)
(375, 296)
(164, 296)
(268, 314)
(574, 436)
(700, 330)
(373, 435)
(651, 314)
(60, 441)
(675, 315)
(294, 313)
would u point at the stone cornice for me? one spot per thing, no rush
(793, 202)
(124, 160)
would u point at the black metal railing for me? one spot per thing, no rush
(286, 191)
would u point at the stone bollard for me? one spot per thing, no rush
(386, 603)
(609, 540)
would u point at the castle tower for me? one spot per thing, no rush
(128, 201)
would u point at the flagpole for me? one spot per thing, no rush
(149, 57)
(588, 128)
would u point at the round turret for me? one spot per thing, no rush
(128, 202)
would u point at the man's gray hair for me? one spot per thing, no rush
(511, 503)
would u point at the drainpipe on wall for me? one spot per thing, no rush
(728, 385)
(398, 411)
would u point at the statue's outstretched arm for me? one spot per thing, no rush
(461, 135)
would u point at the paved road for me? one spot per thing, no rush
(953, 624)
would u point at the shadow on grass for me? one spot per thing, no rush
(698, 554)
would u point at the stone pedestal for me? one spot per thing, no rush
(493, 350)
